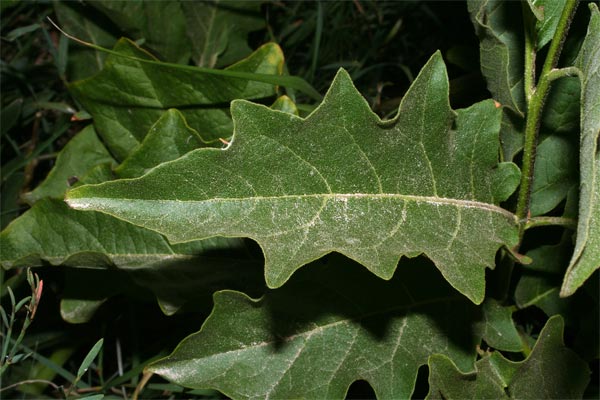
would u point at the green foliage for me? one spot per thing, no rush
(441, 182)
(400, 231)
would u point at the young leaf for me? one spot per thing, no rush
(586, 258)
(551, 371)
(330, 325)
(127, 97)
(340, 180)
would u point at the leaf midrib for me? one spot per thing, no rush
(86, 202)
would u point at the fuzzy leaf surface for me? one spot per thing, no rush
(552, 371)
(127, 97)
(340, 180)
(586, 257)
(331, 324)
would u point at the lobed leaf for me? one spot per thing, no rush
(330, 325)
(340, 180)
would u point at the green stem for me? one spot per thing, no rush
(563, 72)
(530, 48)
(534, 113)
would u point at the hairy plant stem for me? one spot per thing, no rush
(554, 221)
(535, 97)
(534, 113)
(529, 76)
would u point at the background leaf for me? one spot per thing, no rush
(70, 164)
(499, 26)
(498, 328)
(125, 85)
(50, 231)
(402, 177)
(159, 24)
(555, 174)
(219, 30)
(169, 138)
(79, 19)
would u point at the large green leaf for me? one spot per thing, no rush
(340, 180)
(219, 30)
(586, 258)
(70, 163)
(551, 371)
(127, 97)
(331, 324)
